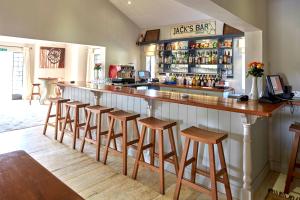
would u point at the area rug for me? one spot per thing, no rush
(275, 195)
(19, 114)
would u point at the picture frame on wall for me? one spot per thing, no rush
(52, 57)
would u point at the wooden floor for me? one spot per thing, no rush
(93, 180)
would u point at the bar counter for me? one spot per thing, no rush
(213, 102)
(246, 123)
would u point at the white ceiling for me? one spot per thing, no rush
(154, 13)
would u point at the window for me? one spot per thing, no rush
(150, 65)
(17, 73)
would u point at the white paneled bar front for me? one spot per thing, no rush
(247, 134)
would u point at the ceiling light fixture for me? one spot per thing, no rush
(129, 2)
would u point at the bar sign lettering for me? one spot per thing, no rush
(192, 30)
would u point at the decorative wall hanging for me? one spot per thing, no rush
(51, 57)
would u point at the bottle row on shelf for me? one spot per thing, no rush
(197, 44)
(204, 80)
(207, 57)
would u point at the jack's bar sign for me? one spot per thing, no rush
(192, 30)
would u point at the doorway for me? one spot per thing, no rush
(11, 74)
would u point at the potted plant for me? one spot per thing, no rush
(255, 69)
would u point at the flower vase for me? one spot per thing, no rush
(254, 89)
(100, 74)
(96, 75)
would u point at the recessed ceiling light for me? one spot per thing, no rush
(129, 2)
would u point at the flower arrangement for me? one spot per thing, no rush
(255, 69)
(98, 66)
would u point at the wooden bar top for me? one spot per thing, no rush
(213, 102)
(21, 177)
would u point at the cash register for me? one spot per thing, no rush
(275, 90)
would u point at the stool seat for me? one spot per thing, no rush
(36, 84)
(155, 123)
(295, 128)
(77, 104)
(293, 164)
(122, 115)
(98, 109)
(205, 136)
(211, 139)
(58, 100)
(58, 115)
(124, 118)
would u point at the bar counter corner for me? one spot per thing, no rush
(245, 123)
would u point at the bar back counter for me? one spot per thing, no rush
(247, 124)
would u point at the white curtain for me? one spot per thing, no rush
(27, 79)
(90, 65)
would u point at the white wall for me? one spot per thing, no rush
(75, 62)
(96, 22)
(284, 39)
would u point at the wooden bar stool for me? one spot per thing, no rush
(76, 105)
(210, 138)
(124, 118)
(293, 164)
(98, 111)
(35, 93)
(58, 115)
(156, 125)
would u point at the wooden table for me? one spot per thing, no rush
(21, 177)
(47, 88)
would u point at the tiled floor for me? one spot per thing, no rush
(93, 180)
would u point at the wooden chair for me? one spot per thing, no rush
(58, 115)
(159, 126)
(35, 93)
(123, 117)
(76, 105)
(210, 138)
(293, 164)
(98, 111)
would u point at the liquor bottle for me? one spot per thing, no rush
(225, 58)
(229, 58)
(184, 80)
(221, 60)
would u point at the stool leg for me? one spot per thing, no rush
(212, 167)
(110, 131)
(47, 118)
(85, 130)
(161, 162)
(173, 147)
(152, 149)
(60, 116)
(225, 175)
(124, 146)
(114, 140)
(98, 136)
(70, 121)
(89, 130)
(181, 168)
(194, 164)
(65, 123)
(292, 164)
(76, 129)
(56, 120)
(137, 135)
(139, 152)
(31, 95)
(39, 94)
